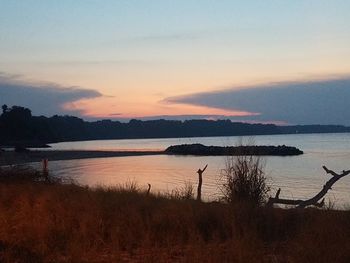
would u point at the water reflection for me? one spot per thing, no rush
(164, 172)
(298, 176)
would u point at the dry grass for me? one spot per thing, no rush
(44, 221)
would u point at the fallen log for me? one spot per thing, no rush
(313, 200)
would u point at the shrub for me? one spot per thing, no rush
(244, 180)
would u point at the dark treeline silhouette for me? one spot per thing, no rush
(17, 125)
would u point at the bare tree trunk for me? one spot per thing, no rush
(199, 189)
(200, 181)
(314, 200)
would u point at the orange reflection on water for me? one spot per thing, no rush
(164, 173)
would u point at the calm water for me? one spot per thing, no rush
(298, 176)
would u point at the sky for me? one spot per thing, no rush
(274, 61)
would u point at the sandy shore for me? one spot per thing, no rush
(9, 157)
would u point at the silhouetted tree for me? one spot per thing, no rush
(4, 108)
(18, 124)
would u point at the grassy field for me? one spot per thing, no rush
(44, 221)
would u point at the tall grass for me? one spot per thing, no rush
(52, 222)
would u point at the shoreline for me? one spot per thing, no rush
(13, 158)
(30, 156)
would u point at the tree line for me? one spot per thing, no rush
(17, 124)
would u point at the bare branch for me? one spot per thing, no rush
(204, 168)
(278, 193)
(329, 171)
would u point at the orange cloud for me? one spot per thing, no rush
(111, 107)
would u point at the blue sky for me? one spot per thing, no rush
(135, 54)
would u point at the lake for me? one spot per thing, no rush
(298, 176)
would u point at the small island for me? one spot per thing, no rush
(202, 150)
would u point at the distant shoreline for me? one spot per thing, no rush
(12, 158)
(46, 145)
(29, 156)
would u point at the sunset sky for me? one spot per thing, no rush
(261, 61)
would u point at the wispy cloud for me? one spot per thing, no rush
(42, 97)
(324, 101)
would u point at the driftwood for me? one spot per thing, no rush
(200, 181)
(314, 200)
